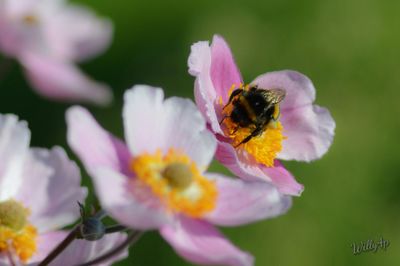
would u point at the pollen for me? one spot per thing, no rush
(16, 234)
(176, 180)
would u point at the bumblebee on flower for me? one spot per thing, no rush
(271, 118)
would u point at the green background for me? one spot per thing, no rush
(351, 51)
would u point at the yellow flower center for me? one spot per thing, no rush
(16, 235)
(264, 147)
(176, 181)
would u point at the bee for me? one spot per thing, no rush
(254, 108)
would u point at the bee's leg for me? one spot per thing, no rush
(233, 94)
(222, 120)
(255, 132)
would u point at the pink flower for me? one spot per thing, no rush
(39, 190)
(47, 37)
(299, 131)
(157, 180)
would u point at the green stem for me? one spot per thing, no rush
(133, 237)
(60, 248)
(75, 233)
(115, 228)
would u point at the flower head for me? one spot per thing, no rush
(271, 118)
(158, 179)
(47, 37)
(39, 189)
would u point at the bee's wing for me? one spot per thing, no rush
(274, 96)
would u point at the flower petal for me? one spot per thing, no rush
(84, 34)
(241, 202)
(215, 71)
(95, 146)
(309, 129)
(199, 63)
(115, 194)
(45, 244)
(14, 144)
(61, 80)
(185, 129)
(56, 180)
(299, 89)
(143, 118)
(79, 251)
(283, 179)
(280, 177)
(224, 72)
(152, 124)
(201, 243)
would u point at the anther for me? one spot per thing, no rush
(12, 215)
(178, 175)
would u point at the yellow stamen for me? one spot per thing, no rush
(264, 147)
(176, 180)
(16, 235)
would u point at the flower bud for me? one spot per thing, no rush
(92, 229)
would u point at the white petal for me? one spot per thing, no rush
(14, 143)
(117, 198)
(51, 193)
(152, 124)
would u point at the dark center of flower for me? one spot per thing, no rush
(12, 215)
(178, 175)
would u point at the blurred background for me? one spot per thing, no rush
(351, 51)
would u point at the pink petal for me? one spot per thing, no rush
(299, 89)
(84, 35)
(152, 124)
(79, 251)
(309, 129)
(205, 95)
(45, 244)
(53, 202)
(61, 80)
(114, 191)
(95, 146)
(241, 202)
(14, 143)
(224, 72)
(281, 178)
(215, 71)
(201, 243)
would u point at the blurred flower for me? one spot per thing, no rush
(39, 189)
(157, 180)
(47, 37)
(304, 131)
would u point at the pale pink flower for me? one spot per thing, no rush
(48, 37)
(39, 190)
(304, 131)
(157, 180)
